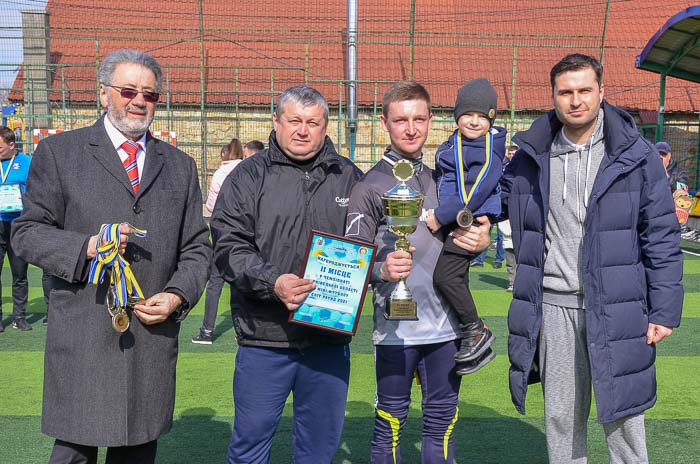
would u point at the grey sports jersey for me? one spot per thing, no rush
(365, 221)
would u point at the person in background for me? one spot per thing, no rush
(502, 243)
(231, 156)
(15, 167)
(252, 147)
(678, 181)
(498, 245)
(677, 176)
(506, 231)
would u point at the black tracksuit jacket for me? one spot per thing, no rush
(263, 216)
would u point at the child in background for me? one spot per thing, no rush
(469, 165)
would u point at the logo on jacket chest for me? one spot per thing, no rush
(342, 202)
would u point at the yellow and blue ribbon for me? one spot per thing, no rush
(122, 280)
(459, 162)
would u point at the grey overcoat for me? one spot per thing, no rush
(102, 388)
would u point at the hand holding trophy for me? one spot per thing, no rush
(402, 208)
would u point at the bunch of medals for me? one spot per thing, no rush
(120, 319)
(123, 291)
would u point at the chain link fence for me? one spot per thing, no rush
(226, 62)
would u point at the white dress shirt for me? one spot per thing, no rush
(118, 139)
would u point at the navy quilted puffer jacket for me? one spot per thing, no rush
(631, 264)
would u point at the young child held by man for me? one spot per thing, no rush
(469, 165)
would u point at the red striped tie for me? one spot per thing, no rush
(132, 169)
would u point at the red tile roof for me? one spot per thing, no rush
(454, 41)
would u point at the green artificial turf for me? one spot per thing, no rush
(489, 429)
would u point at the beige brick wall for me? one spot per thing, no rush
(255, 123)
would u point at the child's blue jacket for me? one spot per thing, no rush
(479, 168)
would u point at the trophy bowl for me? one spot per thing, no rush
(403, 206)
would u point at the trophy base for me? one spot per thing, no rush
(401, 310)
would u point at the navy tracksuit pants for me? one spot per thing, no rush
(263, 379)
(395, 368)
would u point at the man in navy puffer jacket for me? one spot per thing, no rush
(598, 283)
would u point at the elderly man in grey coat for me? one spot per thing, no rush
(103, 387)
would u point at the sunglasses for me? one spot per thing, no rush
(130, 94)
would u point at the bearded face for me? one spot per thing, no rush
(131, 116)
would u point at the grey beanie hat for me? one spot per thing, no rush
(476, 95)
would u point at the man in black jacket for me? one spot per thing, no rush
(265, 211)
(677, 177)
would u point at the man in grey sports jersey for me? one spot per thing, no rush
(426, 346)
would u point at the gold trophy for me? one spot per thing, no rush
(403, 206)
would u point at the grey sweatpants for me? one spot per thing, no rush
(566, 382)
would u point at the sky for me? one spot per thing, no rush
(11, 37)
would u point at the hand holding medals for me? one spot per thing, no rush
(157, 308)
(123, 290)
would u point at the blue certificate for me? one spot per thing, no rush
(10, 198)
(340, 268)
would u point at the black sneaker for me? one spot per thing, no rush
(472, 366)
(689, 234)
(21, 324)
(45, 322)
(204, 338)
(476, 338)
(497, 265)
(476, 264)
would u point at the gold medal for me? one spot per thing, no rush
(465, 218)
(120, 321)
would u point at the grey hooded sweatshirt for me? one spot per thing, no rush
(573, 169)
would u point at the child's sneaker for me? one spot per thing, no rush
(472, 366)
(476, 338)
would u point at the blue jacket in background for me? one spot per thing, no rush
(631, 267)
(486, 200)
(17, 175)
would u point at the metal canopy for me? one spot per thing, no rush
(673, 50)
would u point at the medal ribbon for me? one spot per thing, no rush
(122, 280)
(459, 162)
(5, 174)
(391, 157)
